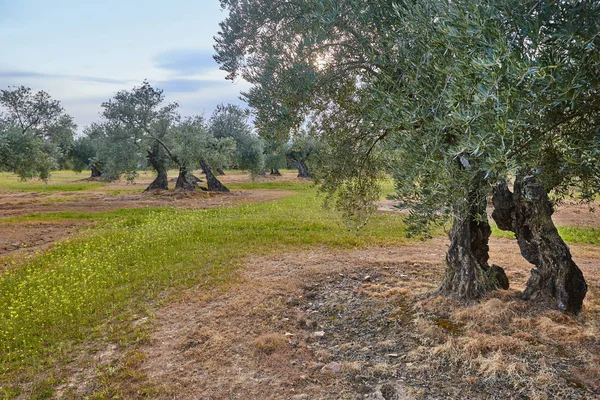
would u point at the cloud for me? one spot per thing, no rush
(187, 85)
(186, 62)
(39, 75)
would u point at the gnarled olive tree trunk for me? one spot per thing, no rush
(186, 180)
(275, 172)
(154, 159)
(214, 185)
(556, 280)
(468, 274)
(303, 171)
(96, 172)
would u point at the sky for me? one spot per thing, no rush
(83, 51)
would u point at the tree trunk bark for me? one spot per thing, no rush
(185, 180)
(96, 173)
(220, 172)
(556, 280)
(214, 185)
(468, 274)
(275, 172)
(161, 182)
(303, 171)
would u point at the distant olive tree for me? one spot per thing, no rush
(35, 133)
(231, 121)
(141, 114)
(194, 146)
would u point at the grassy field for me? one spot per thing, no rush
(92, 289)
(94, 286)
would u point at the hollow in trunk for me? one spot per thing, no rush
(96, 172)
(185, 180)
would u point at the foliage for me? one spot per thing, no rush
(27, 155)
(193, 141)
(231, 121)
(139, 119)
(275, 158)
(438, 92)
(35, 133)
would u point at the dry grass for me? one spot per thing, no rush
(270, 343)
(258, 339)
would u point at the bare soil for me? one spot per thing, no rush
(360, 325)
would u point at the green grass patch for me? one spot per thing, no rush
(82, 287)
(130, 214)
(60, 181)
(498, 233)
(295, 186)
(573, 234)
(41, 187)
(570, 234)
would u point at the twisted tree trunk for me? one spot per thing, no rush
(185, 180)
(161, 182)
(214, 185)
(275, 172)
(468, 274)
(303, 171)
(96, 173)
(556, 280)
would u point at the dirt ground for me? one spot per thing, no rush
(355, 325)
(323, 324)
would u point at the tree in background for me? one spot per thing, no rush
(231, 121)
(275, 158)
(195, 146)
(35, 133)
(137, 122)
(85, 152)
(450, 97)
(299, 151)
(142, 115)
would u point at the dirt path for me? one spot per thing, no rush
(346, 325)
(25, 237)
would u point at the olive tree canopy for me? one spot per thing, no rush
(35, 132)
(450, 97)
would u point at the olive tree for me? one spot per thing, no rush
(35, 132)
(142, 114)
(231, 121)
(86, 150)
(450, 97)
(194, 146)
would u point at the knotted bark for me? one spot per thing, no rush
(185, 180)
(468, 274)
(96, 172)
(303, 171)
(154, 159)
(214, 185)
(556, 280)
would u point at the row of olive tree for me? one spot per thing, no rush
(137, 128)
(454, 99)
